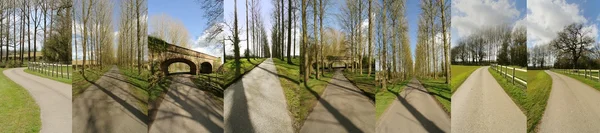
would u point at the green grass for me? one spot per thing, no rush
(59, 79)
(227, 77)
(538, 91)
(18, 111)
(440, 90)
(301, 99)
(79, 83)
(519, 74)
(516, 93)
(363, 82)
(460, 73)
(139, 84)
(385, 97)
(591, 82)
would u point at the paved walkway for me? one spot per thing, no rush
(256, 103)
(342, 109)
(187, 109)
(414, 111)
(53, 98)
(480, 105)
(108, 106)
(573, 107)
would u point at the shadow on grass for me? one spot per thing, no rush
(439, 87)
(426, 123)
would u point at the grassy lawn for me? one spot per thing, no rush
(366, 84)
(139, 84)
(519, 74)
(18, 111)
(460, 73)
(300, 99)
(538, 91)
(227, 77)
(80, 83)
(385, 97)
(59, 79)
(516, 93)
(591, 82)
(440, 90)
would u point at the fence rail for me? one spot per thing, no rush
(587, 73)
(509, 73)
(51, 69)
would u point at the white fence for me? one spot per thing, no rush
(50, 69)
(509, 73)
(586, 73)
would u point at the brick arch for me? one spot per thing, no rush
(164, 66)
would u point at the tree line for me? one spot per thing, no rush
(573, 47)
(502, 44)
(96, 36)
(24, 22)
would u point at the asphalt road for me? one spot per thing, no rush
(414, 111)
(53, 98)
(256, 103)
(108, 106)
(572, 107)
(343, 108)
(480, 105)
(187, 109)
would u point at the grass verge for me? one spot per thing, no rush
(139, 84)
(591, 82)
(441, 91)
(460, 73)
(80, 83)
(538, 91)
(18, 111)
(516, 93)
(385, 97)
(363, 82)
(300, 99)
(59, 79)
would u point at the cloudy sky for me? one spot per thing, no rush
(470, 15)
(546, 17)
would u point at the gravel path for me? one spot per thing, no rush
(256, 103)
(342, 109)
(572, 107)
(53, 98)
(108, 106)
(480, 105)
(414, 111)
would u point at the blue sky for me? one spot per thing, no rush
(412, 15)
(188, 11)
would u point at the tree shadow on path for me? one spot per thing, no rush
(426, 123)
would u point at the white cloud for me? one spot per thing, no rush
(471, 15)
(547, 17)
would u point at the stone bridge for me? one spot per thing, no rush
(167, 54)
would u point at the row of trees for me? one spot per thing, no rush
(501, 44)
(393, 42)
(95, 34)
(22, 22)
(432, 50)
(259, 38)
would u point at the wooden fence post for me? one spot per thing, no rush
(513, 76)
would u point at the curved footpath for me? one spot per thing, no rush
(187, 109)
(480, 105)
(53, 97)
(343, 108)
(414, 111)
(256, 103)
(572, 107)
(108, 106)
